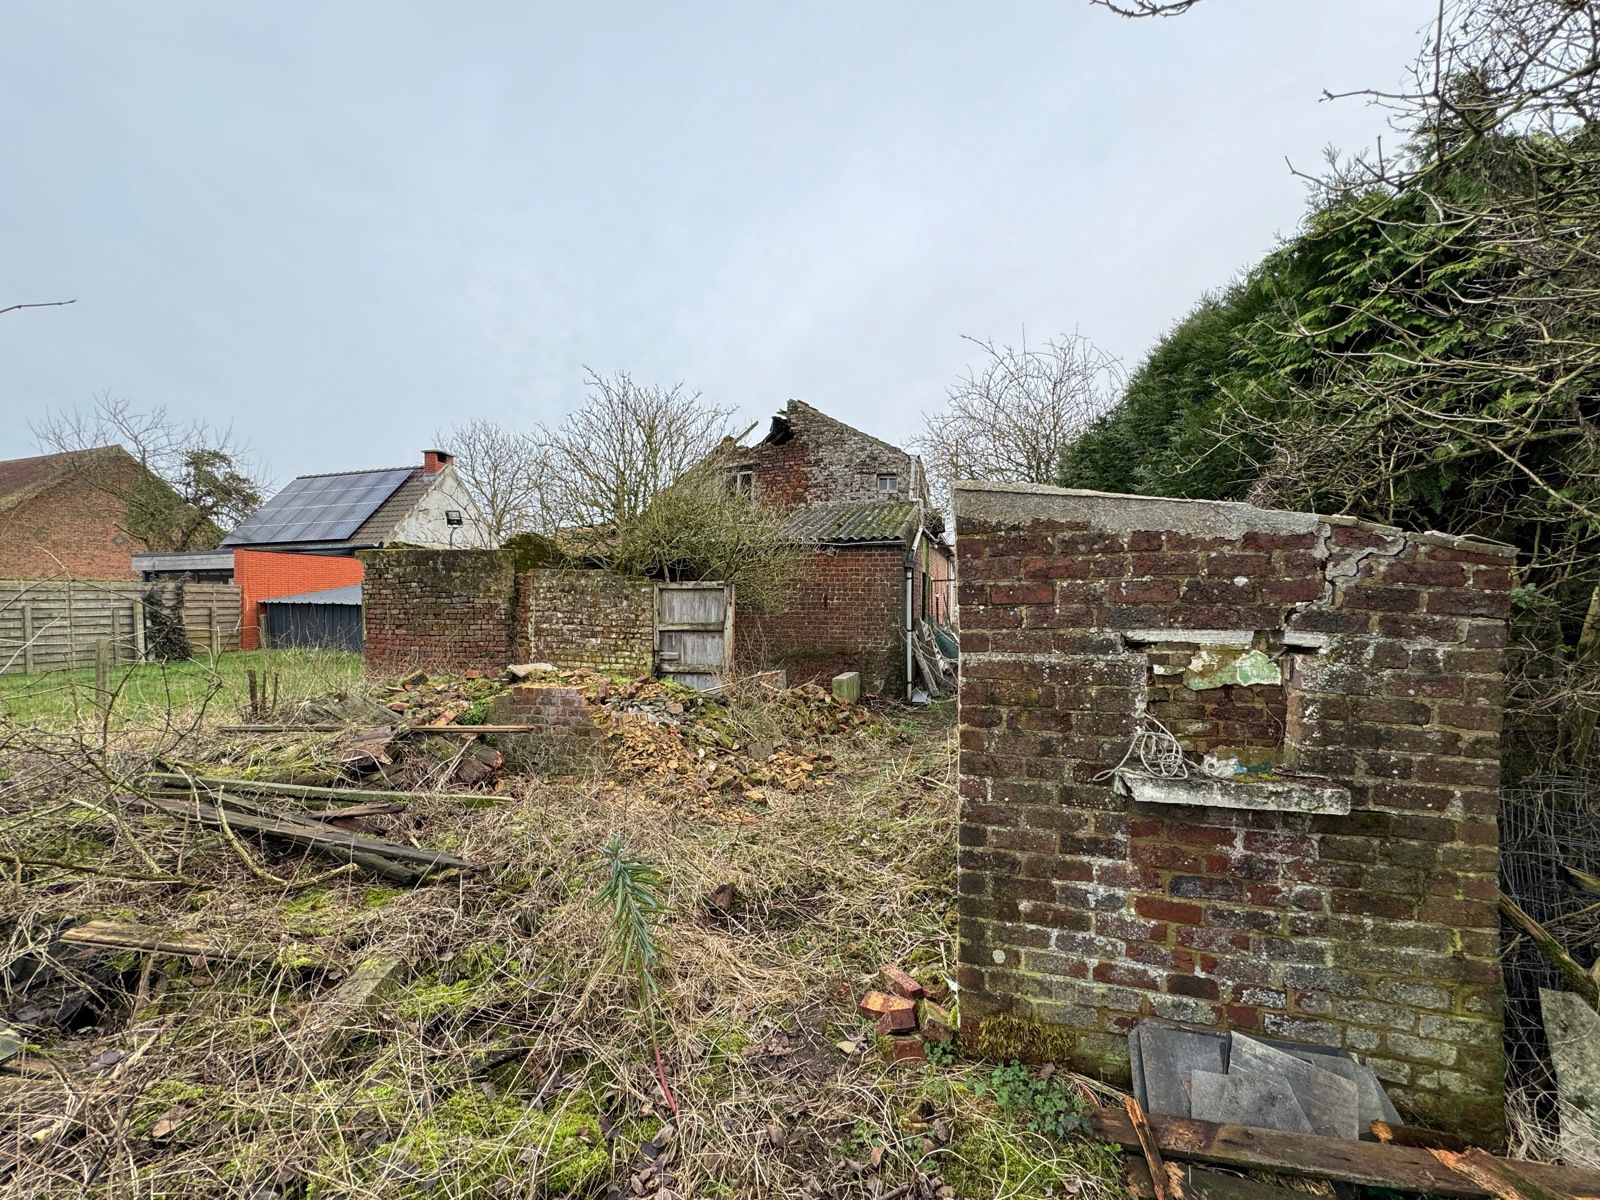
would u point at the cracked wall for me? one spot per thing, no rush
(1341, 888)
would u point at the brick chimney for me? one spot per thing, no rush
(434, 461)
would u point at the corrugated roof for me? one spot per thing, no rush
(840, 523)
(349, 594)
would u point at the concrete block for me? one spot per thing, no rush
(847, 687)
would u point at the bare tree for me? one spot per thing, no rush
(1146, 8)
(506, 472)
(187, 482)
(624, 446)
(1014, 415)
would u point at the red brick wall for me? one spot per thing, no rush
(265, 574)
(67, 530)
(1083, 909)
(847, 614)
(440, 609)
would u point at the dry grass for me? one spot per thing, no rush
(511, 1062)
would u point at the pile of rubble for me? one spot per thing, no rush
(907, 1016)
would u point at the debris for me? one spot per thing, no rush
(1497, 1175)
(1224, 666)
(1572, 1029)
(847, 687)
(330, 1024)
(1372, 1164)
(390, 860)
(526, 670)
(935, 1022)
(900, 983)
(1250, 1098)
(1161, 1182)
(176, 782)
(1575, 976)
(901, 1013)
(125, 935)
(906, 1050)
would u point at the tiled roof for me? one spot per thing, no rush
(852, 521)
(21, 477)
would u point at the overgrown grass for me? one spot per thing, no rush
(150, 691)
(511, 1058)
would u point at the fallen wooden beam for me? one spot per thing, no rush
(1500, 1177)
(283, 728)
(1200, 1184)
(152, 939)
(1373, 1164)
(331, 1023)
(389, 859)
(168, 781)
(1576, 978)
(400, 731)
(1165, 1186)
(1416, 1135)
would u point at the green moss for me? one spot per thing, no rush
(311, 913)
(377, 897)
(481, 1145)
(1006, 1037)
(164, 1095)
(992, 1159)
(471, 978)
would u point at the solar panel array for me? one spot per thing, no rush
(319, 508)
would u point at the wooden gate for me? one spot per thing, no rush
(694, 633)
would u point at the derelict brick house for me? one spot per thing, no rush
(57, 522)
(877, 556)
(303, 542)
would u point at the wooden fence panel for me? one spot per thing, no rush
(55, 624)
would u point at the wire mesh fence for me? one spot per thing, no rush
(1549, 827)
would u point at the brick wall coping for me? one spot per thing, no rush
(1012, 503)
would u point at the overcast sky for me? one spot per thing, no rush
(341, 226)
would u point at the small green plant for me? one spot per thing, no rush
(635, 892)
(940, 1054)
(1043, 1103)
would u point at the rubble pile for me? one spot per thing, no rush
(907, 1016)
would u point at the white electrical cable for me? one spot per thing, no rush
(1159, 753)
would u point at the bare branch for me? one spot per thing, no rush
(39, 304)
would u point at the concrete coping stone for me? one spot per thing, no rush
(1203, 637)
(1265, 796)
(1123, 513)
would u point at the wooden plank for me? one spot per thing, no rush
(385, 858)
(1372, 1164)
(1201, 1184)
(1161, 1182)
(174, 780)
(1500, 1177)
(331, 1023)
(1416, 1135)
(128, 935)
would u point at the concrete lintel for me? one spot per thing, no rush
(1201, 637)
(1224, 793)
(1305, 638)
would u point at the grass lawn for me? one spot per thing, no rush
(149, 690)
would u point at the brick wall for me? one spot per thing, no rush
(68, 530)
(1084, 909)
(846, 613)
(454, 609)
(826, 460)
(441, 609)
(264, 574)
(563, 733)
(591, 619)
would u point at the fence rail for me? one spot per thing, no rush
(56, 624)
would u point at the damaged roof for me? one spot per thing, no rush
(853, 521)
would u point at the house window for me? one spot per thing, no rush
(744, 484)
(888, 485)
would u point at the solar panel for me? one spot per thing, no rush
(319, 508)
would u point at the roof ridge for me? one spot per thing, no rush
(357, 471)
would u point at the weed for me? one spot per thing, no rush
(1044, 1104)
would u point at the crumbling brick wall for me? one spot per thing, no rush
(591, 619)
(440, 609)
(1086, 909)
(562, 730)
(811, 458)
(846, 612)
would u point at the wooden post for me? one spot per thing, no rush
(102, 672)
(27, 639)
(213, 635)
(138, 629)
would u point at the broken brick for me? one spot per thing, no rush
(907, 1050)
(935, 1022)
(896, 1013)
(901, 983)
